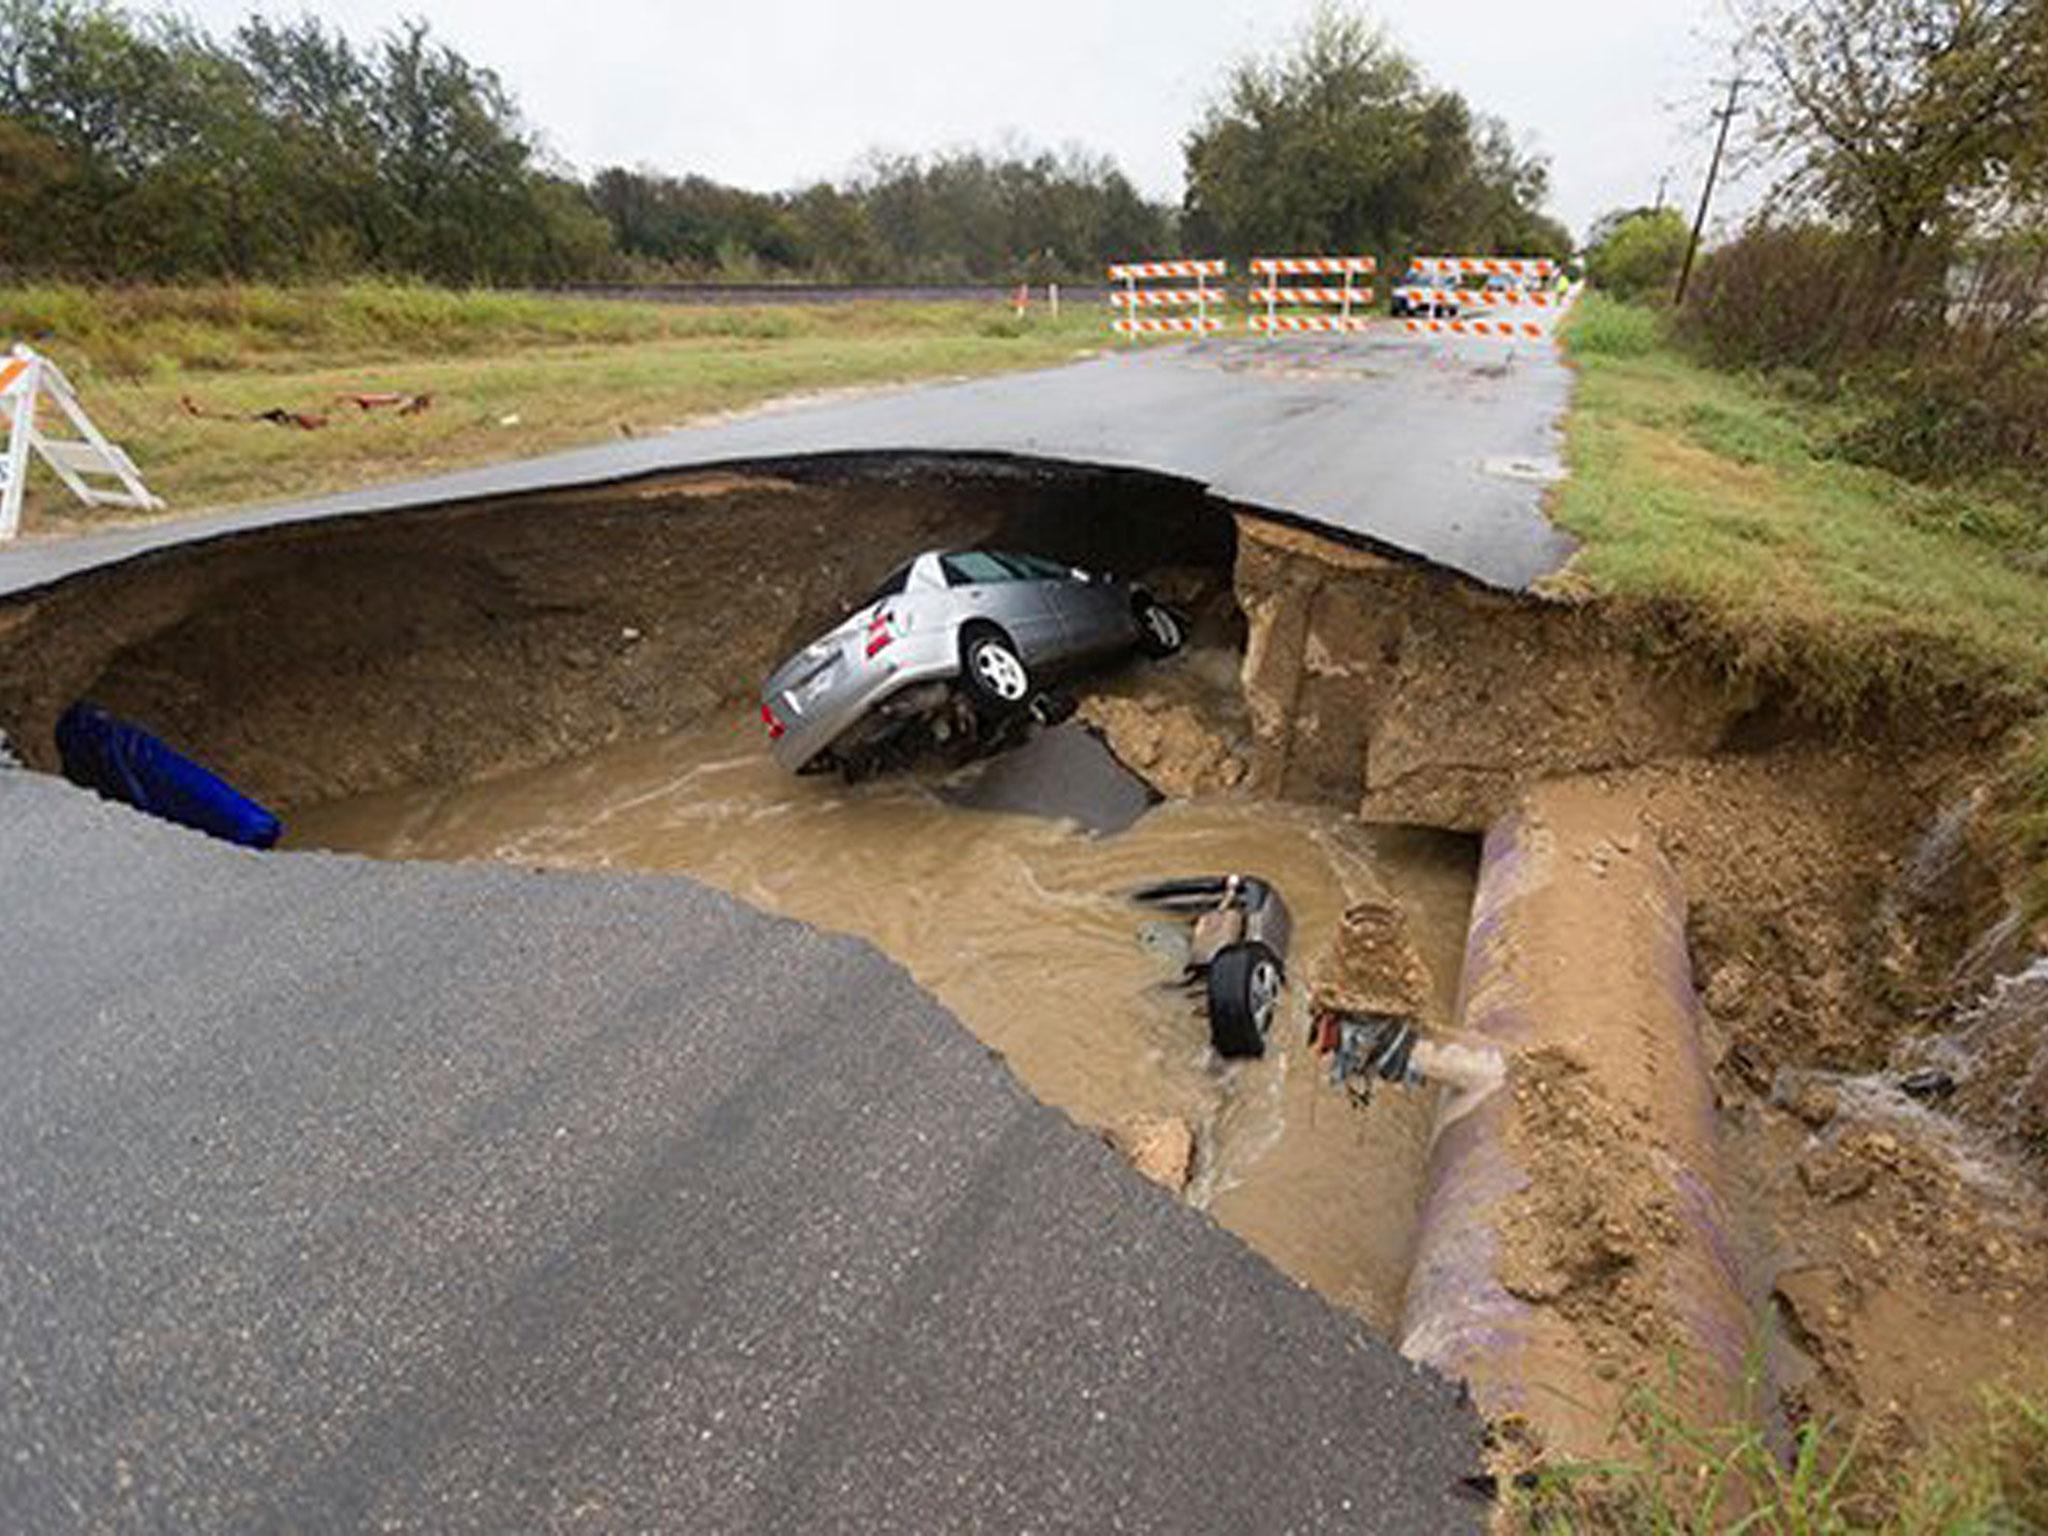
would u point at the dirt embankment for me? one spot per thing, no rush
(1838, 902)
(456, 644)
(1843, 908)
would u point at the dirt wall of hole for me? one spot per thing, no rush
(1839, 893)
(453, 644)
(1412, 696)
(457, 643)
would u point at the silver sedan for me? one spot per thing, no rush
(977, 626)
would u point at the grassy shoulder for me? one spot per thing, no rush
(509, 375)
(1990, 1481)
(1722, 502)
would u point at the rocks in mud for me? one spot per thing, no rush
(1373, 966)
(1816, 1303)
(1813, 1102)
(1165, 744)
(1830, 1174)
(1161, 1147)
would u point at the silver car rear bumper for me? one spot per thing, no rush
(816, 713)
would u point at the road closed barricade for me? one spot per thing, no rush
(34, 394)
(1292, 306)
(1140, 292)
(1508, 296)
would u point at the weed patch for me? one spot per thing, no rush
(1714, 500)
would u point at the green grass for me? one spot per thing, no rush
(1717, 501)
(570, 371)
(1990, 1481)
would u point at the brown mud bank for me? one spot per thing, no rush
(1844, 913)
(1845, 917)
(449, 644)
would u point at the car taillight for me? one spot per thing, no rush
(775, 727)
(879, 636)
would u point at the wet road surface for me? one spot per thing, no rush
(348, 1195)
(1432, 447)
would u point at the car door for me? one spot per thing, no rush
(1096, 614)
(985, 586)
(1078, 605)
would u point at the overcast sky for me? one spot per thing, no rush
(773, 93)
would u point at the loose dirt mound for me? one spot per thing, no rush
(1166, 744)
(1373, 967)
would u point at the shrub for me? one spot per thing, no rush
(1803, 296)
(1961, 409)
(1639, 257)
(1604, 327)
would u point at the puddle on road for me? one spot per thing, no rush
(1017, 925)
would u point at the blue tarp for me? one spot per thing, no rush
(126, 763)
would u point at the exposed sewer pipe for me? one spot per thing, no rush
(1576, 967)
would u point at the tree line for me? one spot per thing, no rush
(139, 146)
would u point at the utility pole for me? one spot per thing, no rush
(1663, 181)
(1699, 223)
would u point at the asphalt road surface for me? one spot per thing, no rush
(1440, 448)
(344, 1196)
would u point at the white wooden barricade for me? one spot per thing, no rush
(27, 381)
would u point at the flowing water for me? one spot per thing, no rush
(1018, 925)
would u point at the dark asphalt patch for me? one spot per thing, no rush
(345, 1195)
(1066, 773)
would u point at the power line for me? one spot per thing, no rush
(1699, 223)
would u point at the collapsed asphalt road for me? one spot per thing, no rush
(1430, 448)
(343, 1195)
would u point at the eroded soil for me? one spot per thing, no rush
(1844, 919)
(1847, 909)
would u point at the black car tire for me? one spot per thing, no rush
(1161, 631)
(1244, 993)
(992, 672)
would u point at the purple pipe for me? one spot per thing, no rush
(1576, 961)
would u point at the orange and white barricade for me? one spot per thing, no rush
(1349, 299)
(1132, 298)
(1481, 309)
(28, 381)
(1485, 266)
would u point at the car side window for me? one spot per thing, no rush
(892, 585)
(973, 568)
(1035, 568)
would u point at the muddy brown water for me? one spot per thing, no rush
(1018, 925)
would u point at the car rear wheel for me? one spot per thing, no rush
(993, 673)
(1160, 630)
(1245, 982)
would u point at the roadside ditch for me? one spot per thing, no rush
(568, 680)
